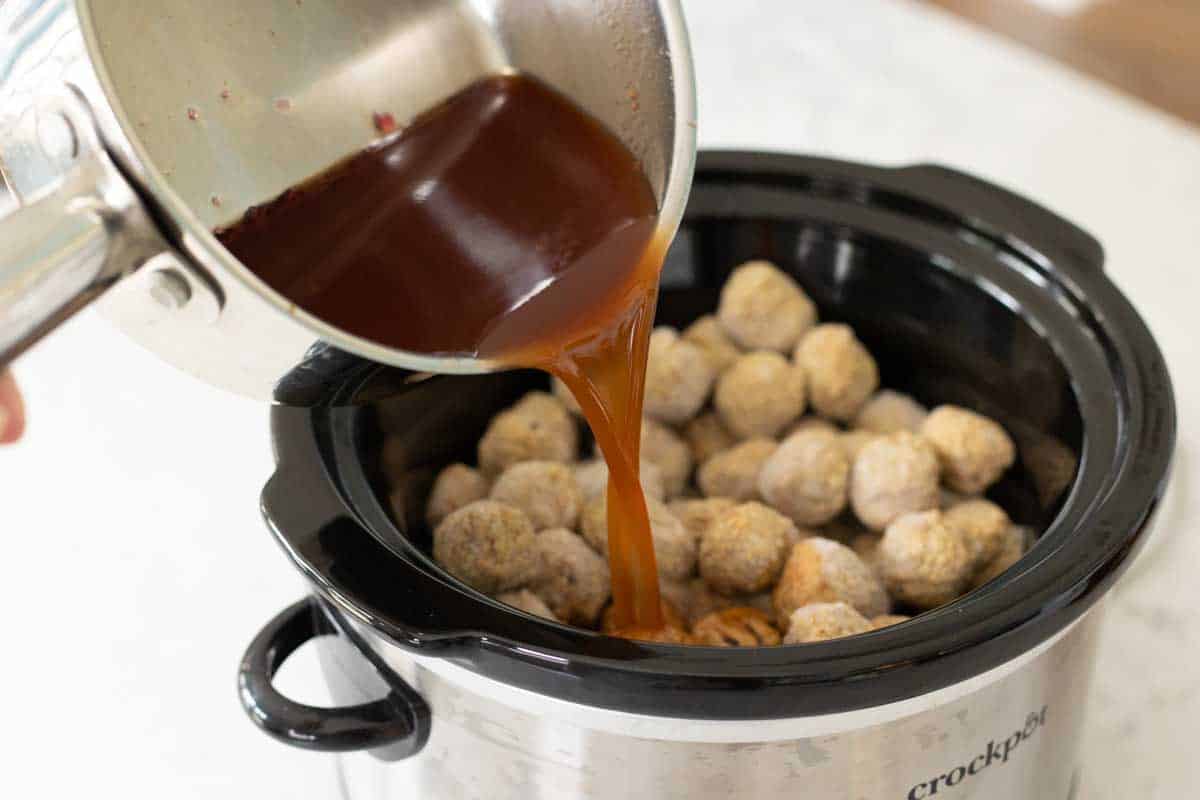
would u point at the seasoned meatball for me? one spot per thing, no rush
(487, 545)
(538, 428)
(662, 447)
(574, 580)
(818, 622)
(823, 571)
(889, 412)
(734, 472)
(759, 395)
(744, 548)
(545, 490)
(807, 477)
(707, 334)
(893, 475)
(974, 451)
(841, 374)
(923, 561)
(762, 308)
(455, 486)
(678, 377)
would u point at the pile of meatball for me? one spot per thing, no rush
(791, 499)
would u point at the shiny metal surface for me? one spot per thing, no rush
(1010, 733)
(208, 108)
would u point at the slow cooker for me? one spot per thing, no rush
(966, 293)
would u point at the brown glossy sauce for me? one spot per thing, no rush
(504, 223)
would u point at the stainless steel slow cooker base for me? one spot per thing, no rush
(1010, 733)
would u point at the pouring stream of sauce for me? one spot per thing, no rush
(505, 223)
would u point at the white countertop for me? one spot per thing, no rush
(137, 568)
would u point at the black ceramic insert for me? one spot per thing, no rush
(965, 292)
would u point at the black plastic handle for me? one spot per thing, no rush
(399, 721)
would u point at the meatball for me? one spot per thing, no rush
(455, 486)
(887, 620)
(893, 475)
(759, 395)
(734, 473)
(674, 546)
(1015, 543)
(744, 548)
(662, 447)
(923, 561)
(823, 571)
(735, 627)
(982, 525)
(707, 334)
(678, 377)
(807, 477)
(528, 602)
(487, 545)
(889, 412)
(574, 581)
(841, 374)
(762, 308)
(854, 441)
(974, 451)
(697, 514)
(818, 622)
(592, 478)
(538, 428)
(545, 490)
(706, 435)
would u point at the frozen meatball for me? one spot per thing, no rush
(1015, 543)
(841, 373)
(818, 622)
(455, 486)
(706, 435)
(561, 391)
(887, 620)
(893, 475)
(678, 377)
(662, 447)
(574, 581)
(744, 548)
(974, 450)
(823, 571)
(813, 423)
(697, 514)
(545, 490)
(807, 477)
(889, 412)
(762, 308)
(734, 473)
(707, 334)
(866, 547)
(538, 428)
(854, 441)
(982, 525)
(674, 546)
(592, 478)
(923, 561)
(736, 627)
(528, 602)
(759, 395)
(487, 545)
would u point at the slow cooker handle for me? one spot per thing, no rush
(399, 721)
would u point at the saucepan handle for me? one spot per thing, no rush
(70, 237)
(400, 720)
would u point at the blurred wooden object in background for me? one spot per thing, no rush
(1148, 48)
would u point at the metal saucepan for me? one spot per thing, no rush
(128, 132)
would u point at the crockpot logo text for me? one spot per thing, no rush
(997, 752)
